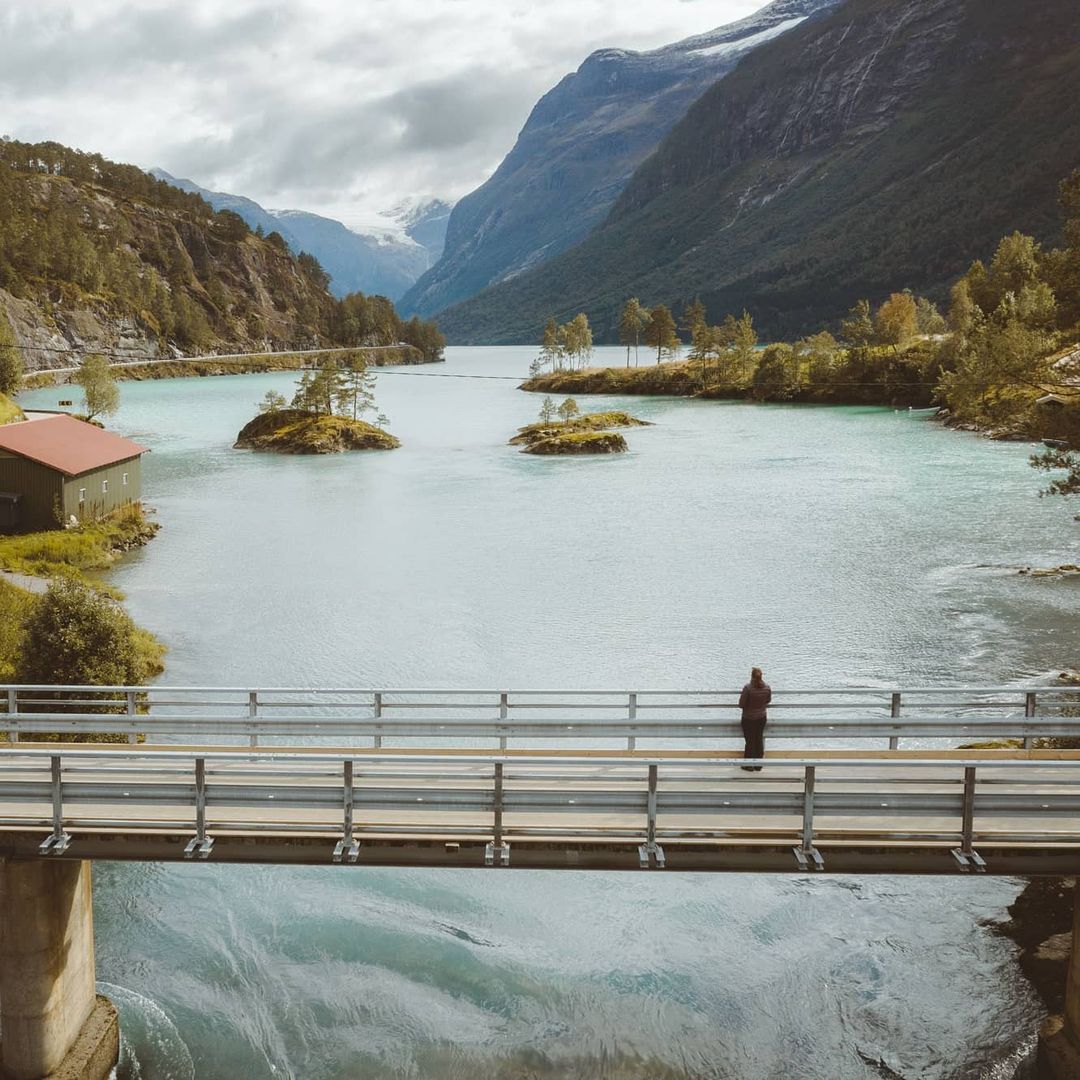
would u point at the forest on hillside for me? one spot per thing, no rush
(78, 230)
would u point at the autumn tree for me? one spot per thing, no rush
(551, 350)
(548, 412)
(857, 329)
(660, 332)
(101, 395)
(897, 320)
(568, 410)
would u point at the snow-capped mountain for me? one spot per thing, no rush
(578, 149)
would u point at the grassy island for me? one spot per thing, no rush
(579, 442)
(590, 422)
(297, 431)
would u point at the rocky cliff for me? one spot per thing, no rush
(881, 146)
(579, 147)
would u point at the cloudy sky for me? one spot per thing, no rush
(343, 107)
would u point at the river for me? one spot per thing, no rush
(838, 546)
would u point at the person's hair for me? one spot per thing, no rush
(757, 680)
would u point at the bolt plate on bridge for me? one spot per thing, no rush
(657, 854)
(969, 860)
(199, 847)
(346, 850)
(56, 844)
(503, 852)
(809, 858)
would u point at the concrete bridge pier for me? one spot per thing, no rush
(53, 1026)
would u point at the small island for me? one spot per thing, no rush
(296, 431)
(579, 442)
(324, 417)
(574, 432)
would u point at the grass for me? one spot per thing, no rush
(94, 546)
(9, 411)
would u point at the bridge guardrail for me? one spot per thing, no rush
(855, 713)
(633, 804)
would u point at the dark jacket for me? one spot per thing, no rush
(753, 701)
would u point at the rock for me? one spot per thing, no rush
(294, 431)
(589, 442)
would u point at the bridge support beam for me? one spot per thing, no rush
(52, 1024)
(1059, 1039)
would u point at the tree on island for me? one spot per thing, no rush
(632, 321)
(332, 390)
(101, 395)
(660, 332)
(11, 369)
(568, 410)
(272, 402)
(693, 316)
(548, 412)
(551, 348)
(578, 339)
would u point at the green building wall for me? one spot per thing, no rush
(49, 499)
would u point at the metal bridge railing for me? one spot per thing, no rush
(530, 716)
(635, 804)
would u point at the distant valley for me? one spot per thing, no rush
(384, 263)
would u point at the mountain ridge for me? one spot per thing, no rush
(883, 145)
(579, 147)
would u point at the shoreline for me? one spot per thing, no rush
(226, 364)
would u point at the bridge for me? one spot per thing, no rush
(855, 781)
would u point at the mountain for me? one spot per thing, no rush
(384, 263)
(98, 256)
(882, 146)
(579, 147)
(425, 221)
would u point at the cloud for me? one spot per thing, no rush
(324, 105)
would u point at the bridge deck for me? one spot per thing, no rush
(996, 811)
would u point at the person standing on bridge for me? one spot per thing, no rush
(753, 701)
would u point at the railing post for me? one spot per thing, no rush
(59, 841)
(651, 849)
(133, 736)
(965, 854)
(1030, 702)
(348, 847)
(13, 708)
(504, 713)
(631, 741)
(806, 854)
(894, 712)
(200, 844)
(498, 851)
(376, 708)
(253, 712)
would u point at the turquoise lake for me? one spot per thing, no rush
(832, 546)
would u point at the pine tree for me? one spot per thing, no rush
(660, 332)
(632, 321)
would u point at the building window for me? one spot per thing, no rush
(104, 486)
(82, 495)
(125, 479)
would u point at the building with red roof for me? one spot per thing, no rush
(54, 468)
